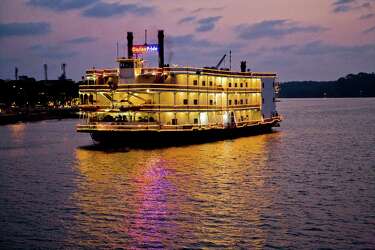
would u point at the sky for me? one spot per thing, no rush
(297, 39)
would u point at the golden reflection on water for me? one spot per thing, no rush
(179, 196)
(17, 131)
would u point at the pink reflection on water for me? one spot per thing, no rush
(153, 212)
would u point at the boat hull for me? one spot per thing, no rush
(177, 137)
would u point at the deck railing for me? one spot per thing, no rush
(154, 126)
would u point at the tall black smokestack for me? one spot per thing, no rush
(45, 72)
(161, 48)
(16, 73)
(63, 74)
(130, 45)
(243, 66)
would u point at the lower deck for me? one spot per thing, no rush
(155, 127)
(152, 136)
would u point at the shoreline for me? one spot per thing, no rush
(33, 116)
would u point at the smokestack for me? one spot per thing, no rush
(45, 72)
(243, 66)
(16, 73)
(161, 48)
(63, 75)
(130, 45)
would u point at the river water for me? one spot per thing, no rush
(308, 185)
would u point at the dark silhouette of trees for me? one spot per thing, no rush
(352, 85)
(29, 92)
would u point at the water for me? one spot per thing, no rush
(309, 185)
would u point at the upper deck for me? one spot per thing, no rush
(171, 77)
(206, 71)
(182, 70)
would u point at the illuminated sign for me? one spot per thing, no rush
(143, 49)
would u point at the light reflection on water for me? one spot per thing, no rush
(191, 193)
(17, 131)
(311, 184)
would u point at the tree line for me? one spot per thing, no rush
(29, 92)
(352, 85)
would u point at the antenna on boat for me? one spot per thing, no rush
(117, 49)
(145, 36)
(230, 60)
(220, 62)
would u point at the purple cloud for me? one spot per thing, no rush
(104, 10)
(367, 16)
(341, 6)
(61, 5)
(207, 24)
(369, 30)
(24, 29)
(187, 19)
(80, 40)
(274, 28)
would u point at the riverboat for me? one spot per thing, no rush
(136, 104)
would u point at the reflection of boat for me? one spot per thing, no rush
(152, 198)
(134, 103)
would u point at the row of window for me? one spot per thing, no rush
(196, 121)
(174, 121)
(236, 102)
(195, 83)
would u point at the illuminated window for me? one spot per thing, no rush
(195, 102)
(185, 101)
(195, 82)
(203, 83)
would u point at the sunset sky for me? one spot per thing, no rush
(298, 39)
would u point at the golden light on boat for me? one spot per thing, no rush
(165, 98)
